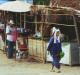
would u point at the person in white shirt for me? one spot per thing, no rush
(1, 42)
(9, 38)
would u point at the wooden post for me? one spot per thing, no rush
(35, 32)
(42, 26)
(76, 30)
(24, 20)
(35, 23)
(16, 19)
(20, 21)
(4, 30)
(45, 55)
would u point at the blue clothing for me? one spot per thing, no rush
(55, 49)
(56, 61)
(10, 49)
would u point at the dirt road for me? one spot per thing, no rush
(12, 67)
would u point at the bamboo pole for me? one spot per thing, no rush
(16, 19)
(42, 26)
(35, 23)
(20, 21)
(52, 23)
(36, 27)
(4, 30)
(24, 20)
(76, 30)
(45, 42)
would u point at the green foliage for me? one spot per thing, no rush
(41, 2)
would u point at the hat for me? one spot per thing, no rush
(11, 22)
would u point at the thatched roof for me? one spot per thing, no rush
(64, 9)
(67, 3)
(71, 3)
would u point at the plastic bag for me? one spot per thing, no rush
(62, 54)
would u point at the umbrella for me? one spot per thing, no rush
(15, 6)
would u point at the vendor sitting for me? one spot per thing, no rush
(21, 47)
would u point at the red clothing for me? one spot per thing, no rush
(22, 47)
(15, 34)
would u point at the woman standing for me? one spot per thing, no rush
(55, 48)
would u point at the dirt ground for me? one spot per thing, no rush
(12, 67)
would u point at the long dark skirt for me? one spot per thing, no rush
(56, 59)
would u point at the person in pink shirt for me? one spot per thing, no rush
(14, 36)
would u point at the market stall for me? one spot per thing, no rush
(65, 19)
(16, 11)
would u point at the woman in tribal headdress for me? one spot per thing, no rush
(54, 48)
